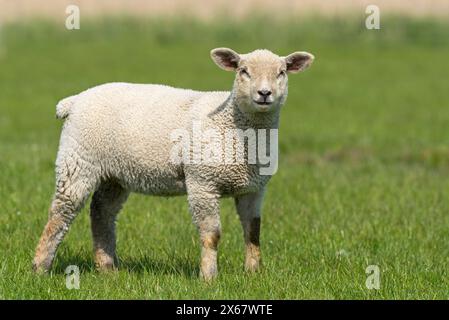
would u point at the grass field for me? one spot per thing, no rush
(363, 176)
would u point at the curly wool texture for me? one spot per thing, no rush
(123, 131)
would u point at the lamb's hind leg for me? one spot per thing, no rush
(106, 204)
(249, 209)
(72, 190)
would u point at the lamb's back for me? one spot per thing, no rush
(125, 129)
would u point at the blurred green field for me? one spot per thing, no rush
(364, 160)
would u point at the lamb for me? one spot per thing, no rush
(117, 138)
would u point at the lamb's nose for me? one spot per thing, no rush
(264, 93)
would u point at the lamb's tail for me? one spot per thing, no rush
(63, 107)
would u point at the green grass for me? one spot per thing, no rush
(363, 176)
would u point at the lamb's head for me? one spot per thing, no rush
(261, 82)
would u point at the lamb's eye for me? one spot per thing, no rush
(245, 73)
(281, 74)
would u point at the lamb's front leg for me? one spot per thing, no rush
(249, 209)
(206, 216)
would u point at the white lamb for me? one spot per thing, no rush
(117, 139)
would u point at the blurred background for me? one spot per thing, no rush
(20, 9)
(364, 145)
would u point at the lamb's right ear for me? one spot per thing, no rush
(225, 58)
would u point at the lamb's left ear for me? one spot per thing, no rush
(225, 58)
(298, 61)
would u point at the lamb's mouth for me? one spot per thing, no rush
(263, 103)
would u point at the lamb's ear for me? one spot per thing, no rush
(298, 61)
(225, 58)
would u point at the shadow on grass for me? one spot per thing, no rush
(173, 266)
(144, 264)
(84, 262)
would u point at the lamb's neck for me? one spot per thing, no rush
(230, 115)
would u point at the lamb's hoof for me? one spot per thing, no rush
(104, 263)
(208, 278)
(209, 275)
(40, 268)
(252, 265)
(106, 267)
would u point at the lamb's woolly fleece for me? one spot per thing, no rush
(123, 131)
